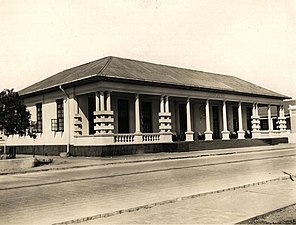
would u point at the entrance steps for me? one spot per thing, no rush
(234, 143)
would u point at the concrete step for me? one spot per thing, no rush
(234, 143)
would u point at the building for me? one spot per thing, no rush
(117, 106)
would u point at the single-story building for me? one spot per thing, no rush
(117, 106)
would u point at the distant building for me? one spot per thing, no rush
(115, 103)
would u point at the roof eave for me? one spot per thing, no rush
(98, 77)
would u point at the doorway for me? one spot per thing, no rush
(182, 121)
(235, 118)
(91, 117)
(216, 122)
(123, 116)
(146, 117)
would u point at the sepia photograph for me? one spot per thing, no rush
(147, 112)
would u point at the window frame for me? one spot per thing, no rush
(39, 118)
(60, 115)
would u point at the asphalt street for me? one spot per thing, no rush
(56, 196)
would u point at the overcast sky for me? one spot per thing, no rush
(254, 40)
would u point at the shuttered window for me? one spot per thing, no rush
(39, 117)
(60, 115)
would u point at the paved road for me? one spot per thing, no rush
(55, 196)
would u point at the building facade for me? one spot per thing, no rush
(121, 102)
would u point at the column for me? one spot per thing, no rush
(161, 115)
(108, 101)
(102, 108)
(255, 122)
(165, 120)
(225, 132)
(240, 132)
(162, 104)
(138, 134)
(189, 133)
(270, 123)
(104, 119)
(292, 136)
(102, 101)
(97, 101)
(167, 104)
(208, 132)
(109, 114)
(282, 120)
(96, 113)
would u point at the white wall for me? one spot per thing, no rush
(49, 111)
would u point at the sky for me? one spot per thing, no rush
(251, 39)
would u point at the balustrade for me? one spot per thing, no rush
(124, 138)
(151, 137)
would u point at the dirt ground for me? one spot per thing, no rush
(285, 215)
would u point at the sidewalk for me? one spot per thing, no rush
(60, 163)
(227, 207)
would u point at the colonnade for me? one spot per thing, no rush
(104, 118)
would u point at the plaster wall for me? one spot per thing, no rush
(49, 112)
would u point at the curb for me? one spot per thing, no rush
(151, 205)
(145, 160)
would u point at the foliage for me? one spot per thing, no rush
(14, 117)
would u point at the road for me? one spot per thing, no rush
(56, 196)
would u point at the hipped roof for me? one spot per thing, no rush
(139, 71)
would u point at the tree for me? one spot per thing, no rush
(14, 117)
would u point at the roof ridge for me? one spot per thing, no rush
(106, 65)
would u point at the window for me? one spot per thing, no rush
(39, 118)
(54, 125)
(60, 115)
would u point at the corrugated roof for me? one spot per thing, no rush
(143, 71)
